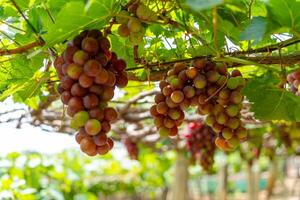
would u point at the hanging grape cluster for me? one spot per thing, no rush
(88, 73)
(294, 81)
(132, 22)
(210, 87)
(200, 143)
(131, 147)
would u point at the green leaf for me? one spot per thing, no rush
(255, 30)
(286, 13)
(202, 4)
(270, 102)
(76, 16)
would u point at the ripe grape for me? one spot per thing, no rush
(89, 73)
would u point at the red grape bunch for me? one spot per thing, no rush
(294, 81)
(131, 147)
(211, 88)
(88, 73)
(200, 143)
(131, 22)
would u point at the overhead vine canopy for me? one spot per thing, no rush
(259, 38)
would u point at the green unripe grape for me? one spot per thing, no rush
(200, 82)
(210, 120)
(233, 123)
(227, 133)
(236, 97)
(136, 38)
(80, 119)
(164, 132)
(232, 110)
(241, 132)
(222, 118)
(234, 82)
(233, 142)
(134, 25)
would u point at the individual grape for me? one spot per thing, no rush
(162, 108)
(90, 101)
(108, 93)
(100, 139)
(169, 123)
(80, 57)
(65, 97)
(102, 77)
(102, 59)
(87, 145)
(167, 91)
(90, 45)
(75, 105)
(110, 142)
(111, 79)
(77, 90)
(153, 111)
(85, 81)
(236, 97)
(104, 149)
(104, 44)
(200, 82)
(199, 63)
(233, 82)
(92, 127)
(66, 83)
(79, 119)
(96, 113)
(189, 91)
(97, 89)
(80, 135)
(92, 68)
(123, 30)
(110, 114)
(105, 127)
(177, 96)
(175, 114)
(134, 25)
(136, 38)
(233, 123)
(232, 110)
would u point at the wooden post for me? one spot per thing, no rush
(180, 181)
(222, 183)
(272, 177)
(253, 180)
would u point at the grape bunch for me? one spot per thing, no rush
(212, 89)
(294, 81)
(132, 22)
(88, 73)
(200, 143)
(131, 147)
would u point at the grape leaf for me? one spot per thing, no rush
(270, 102)
(286, 13)
(20, 74)
(255, 30)
(75, 16)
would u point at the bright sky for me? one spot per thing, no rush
(29, 138)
